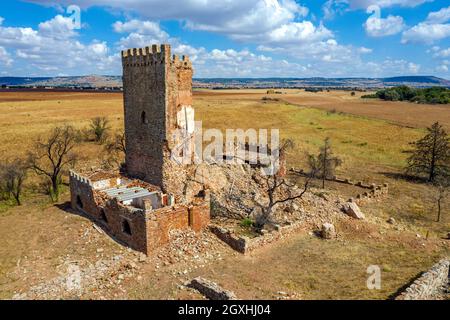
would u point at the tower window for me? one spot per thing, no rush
(103, 216)
(144, 119)
(79, 202)
(126, 227)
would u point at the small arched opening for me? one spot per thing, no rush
(79, 202)
(126, 228)
(144, 119)
(103, 216)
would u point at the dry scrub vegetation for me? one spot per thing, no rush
(372, 150)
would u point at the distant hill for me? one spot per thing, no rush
(433, 81)
(19, 81)
(92, 81)
(101, 81)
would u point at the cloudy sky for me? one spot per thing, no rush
(230, 38)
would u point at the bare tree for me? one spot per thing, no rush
(117, 144)
(99, 127)
(12, 176)
(278, 190)
(115, 149)
(52, 155)
(325, 163)
(431, 154)
(442, 186)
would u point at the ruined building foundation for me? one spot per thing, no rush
(140, 206)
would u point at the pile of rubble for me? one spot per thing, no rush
(78, 278)
(235, 190)
(189, 248)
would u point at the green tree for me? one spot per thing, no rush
(431, 155)
(99, 127)
(325, 163)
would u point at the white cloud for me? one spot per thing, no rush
(440, 16)
(380, 27)
(328, 51)
(442, 68)
(332, 7)
(426, 33)
(261, 17)
(233, 63)
(431, 30)
(413, 68)
(363, 4)
(58, 27)
(294, 32)
(391, 67)
(5, 57)
(53, 47)
(140, 33)
(364, 50)
(444, 53)
(231, 17)
(143, 27)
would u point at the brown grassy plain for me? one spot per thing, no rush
(369, 136)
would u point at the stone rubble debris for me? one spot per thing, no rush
(211, 290)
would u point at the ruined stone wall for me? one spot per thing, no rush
(116, 217)
(199, 217)
(161, 222)
(156, 86)
(82, 195)
(429, 284)
(245, 245)
(373, 191)
(109, 214)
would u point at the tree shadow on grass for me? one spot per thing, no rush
(404, 177)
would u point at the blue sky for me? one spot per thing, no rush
(230, 38)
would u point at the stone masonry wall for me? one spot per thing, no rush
(156, 86)
(245, 245)
(82, 196)
(373, 191)
(429, 284)
(110, 214)
(160, 223)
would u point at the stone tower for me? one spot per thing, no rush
(158, 105)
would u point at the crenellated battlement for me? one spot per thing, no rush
(79, 178)
(184, 62)
(156, 54)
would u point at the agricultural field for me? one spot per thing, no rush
(370, 136)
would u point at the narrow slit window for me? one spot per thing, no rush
(126, 228)
(144, 119)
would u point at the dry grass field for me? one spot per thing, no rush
(370, 137)
(402, 113)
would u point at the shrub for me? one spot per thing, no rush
(247, 223)
(434, 95)
(99, 127)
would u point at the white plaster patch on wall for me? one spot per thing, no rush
(185, 119)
